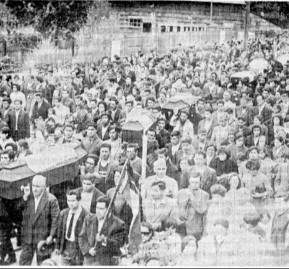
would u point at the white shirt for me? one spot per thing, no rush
(76, 216)
(17, 116)
(36, 201)
(100, 223)
(103, 131)
(175, 148)
(85, 201)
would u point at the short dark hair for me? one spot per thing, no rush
(89, 177)
(104, 199)
(23, 143)
(105, 145)
(74, 192)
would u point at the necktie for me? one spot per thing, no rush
(70, 226)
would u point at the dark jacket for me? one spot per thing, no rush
(38, 226)
(99, 133)
(114, 230)
(61, 232)
(93, 146)
(224, 167)
(42, 111)
(22, 124)
(96, 194)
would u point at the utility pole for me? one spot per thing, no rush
(247, 14)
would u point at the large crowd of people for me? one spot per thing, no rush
(216, 171)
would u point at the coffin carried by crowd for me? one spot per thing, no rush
(57, 163)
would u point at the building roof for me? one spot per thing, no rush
(230, 2)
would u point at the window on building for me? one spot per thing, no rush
(185, 29)
(135, 22)
(189, 29)
(200, 28)
(171, 28)
(178, 28)
(193, 29)
(163, 28)
(147, 27)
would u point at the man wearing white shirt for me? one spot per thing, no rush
(69, 226)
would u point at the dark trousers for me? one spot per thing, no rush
(27, 253)
(71, 254)
(6, 248)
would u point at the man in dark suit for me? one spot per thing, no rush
(40, 216)
(263, 110)
(40, 107)
(18, 122)
(100, 247)
(115, 112)
(91, 143)
(68, 229)
(88, 192)
(103, 127)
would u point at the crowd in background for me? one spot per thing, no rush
(216, 171)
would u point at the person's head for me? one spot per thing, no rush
(279, 141)
(93, 104)
(91, 130)
(199, 159)
(90, 162)
(222, 154)
(102, 106)
(211, 150)
(186, 144)
(6, 102)
(234, 181)
(256, 130)
(102, 204)
(194, 181)
(253, 153)
(253, 167)
(208, 114)
(87, 182)
(226, 96)
(113, 103)
(132, 151)
(38, 185)
(277, 120)
(17, 104)
(15, 88)
(220, 105)
(241, 121)
(259, 100)
(65, 93)
(239, 140)
(23, 145)
(113, 132)
(73, 197)
(175, 137)
(158, 190)
(38, 97)
(68, 131)
(5, 133)
(218, 191)
(222, 120)
(105, 149)
(128, 105)
(160, 168)
(5, 158)
(183, 116)
(105, 119)
(161, 123)
(251, 219)
(151, 135)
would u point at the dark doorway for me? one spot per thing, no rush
(147, 27)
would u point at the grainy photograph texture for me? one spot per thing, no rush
(144, 133)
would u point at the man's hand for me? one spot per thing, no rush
(92, 252)
(26, 190)
(49, 240)
(100, 238)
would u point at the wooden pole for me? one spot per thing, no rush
(247, 13)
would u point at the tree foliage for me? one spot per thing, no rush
(48, 16)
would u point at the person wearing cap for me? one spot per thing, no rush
(180, 122)
(192, 208)
(100, 247)
(18, 121)
(103, 126)
(158, 209)
(219, 248)
(91, 142)
(40, 107)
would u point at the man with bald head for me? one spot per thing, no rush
(40, 215)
